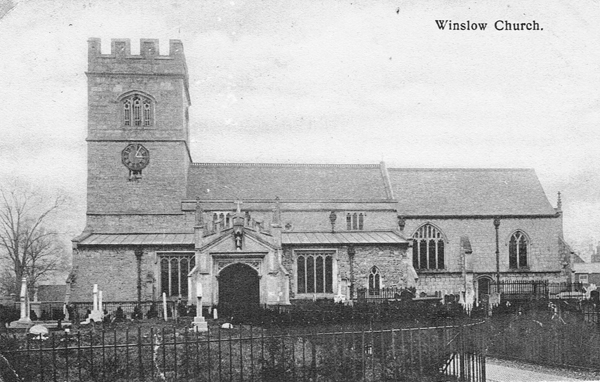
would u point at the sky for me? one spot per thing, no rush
(324, 82)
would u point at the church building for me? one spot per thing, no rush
(158, 222)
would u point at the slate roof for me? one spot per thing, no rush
(357, 237)
(222, 181)
(469, 192)
(52, 292)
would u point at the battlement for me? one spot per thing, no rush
(120, 59)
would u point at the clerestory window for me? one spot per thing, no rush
(517, 250)
(355, 221)
(428, 248)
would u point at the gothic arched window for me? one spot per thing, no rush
(174, 269)
(314, 272)
(374, 281)
(137, 110)
(517, 250)
(428, 248)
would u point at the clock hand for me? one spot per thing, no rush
(137, 153)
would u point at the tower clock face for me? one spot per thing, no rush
(135, 156)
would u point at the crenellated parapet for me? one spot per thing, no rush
(149, 61)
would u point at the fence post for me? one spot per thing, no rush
(141, 363)
(461, 346)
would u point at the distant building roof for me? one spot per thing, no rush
(52, 292)
(469, 192)
(288, 181)
(586, 267)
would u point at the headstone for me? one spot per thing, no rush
(35, 306)
(24, 321)
(165, 306)
(340, 297)
(227, 325)
(96, 315)
(199, 323)
(119, 315)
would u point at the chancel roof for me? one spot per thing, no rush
(449, 192)
(287, 181)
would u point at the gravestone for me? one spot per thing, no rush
(24, 321)
(96, 315)
(199, 323)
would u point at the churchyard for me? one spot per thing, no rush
(419, 339)
(338, 345)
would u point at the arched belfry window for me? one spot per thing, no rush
(428, 248)
(517, 250)
(137, 110)
(374, 281)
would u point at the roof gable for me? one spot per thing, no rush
(469, 192)
(249, 181)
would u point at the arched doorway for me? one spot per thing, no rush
(239, 292)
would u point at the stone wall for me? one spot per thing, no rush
(141, 223)
(114, 269)
(160, 190)
(388, 259)
(543, 250)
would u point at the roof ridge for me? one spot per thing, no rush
(346, 165)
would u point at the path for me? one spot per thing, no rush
(499, 371)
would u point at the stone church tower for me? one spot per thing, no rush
(138, 162)
(138, 155)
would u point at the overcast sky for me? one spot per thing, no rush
(329, 81)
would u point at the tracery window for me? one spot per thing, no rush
(374, 282)
(137, 110)
(517, 250)
(174, 269)
(314, 272)
(428, 248)
(355, 221)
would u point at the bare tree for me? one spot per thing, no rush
(27, 245)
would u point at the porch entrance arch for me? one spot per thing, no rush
(239, 290)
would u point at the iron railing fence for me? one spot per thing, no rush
(510, 290)
(527, 290)
(410, 313)
(564, 334)
(246, 353)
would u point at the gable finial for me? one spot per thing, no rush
(239, 208)
(559, 202)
